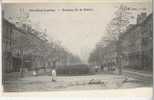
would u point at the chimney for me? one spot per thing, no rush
(141, 17)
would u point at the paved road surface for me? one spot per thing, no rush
(100, 81)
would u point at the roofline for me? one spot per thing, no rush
(136, 25)
(22, 31)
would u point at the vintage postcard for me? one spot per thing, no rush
(72, 46)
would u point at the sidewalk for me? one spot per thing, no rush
(139, 72)
(141, 75)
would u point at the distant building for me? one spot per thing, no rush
(110, 55)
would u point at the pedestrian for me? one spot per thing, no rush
(35, 72)
(54, 70)
(53, 75)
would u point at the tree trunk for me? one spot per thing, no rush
(22, 63)
(118, 49)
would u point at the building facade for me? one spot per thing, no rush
(20, 46)
(135, 47)
(7, 45)
(136, 44)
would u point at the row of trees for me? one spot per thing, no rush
(35, 43)
(114, 29)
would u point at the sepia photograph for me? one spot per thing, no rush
(76, 46)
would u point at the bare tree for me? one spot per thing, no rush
(116, 27)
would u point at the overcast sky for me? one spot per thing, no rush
(78, 31)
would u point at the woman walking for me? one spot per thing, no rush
(54, 70)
